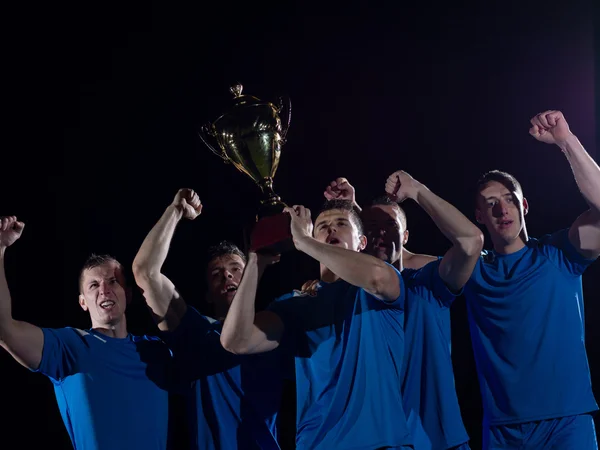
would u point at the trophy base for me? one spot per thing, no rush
(271, 234)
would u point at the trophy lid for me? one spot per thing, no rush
(240, 99)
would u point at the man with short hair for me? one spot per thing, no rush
(234, 400)
(111, 386)
(525, 306)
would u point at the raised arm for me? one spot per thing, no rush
(163, 299)
(359, 269)
(467, 240)
(551, 127)
(22, 340)
(245, 332)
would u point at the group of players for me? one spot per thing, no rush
(369, 342)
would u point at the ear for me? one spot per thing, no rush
(525, 206)
(404, 237)
(82, 302)
(478, 216)
(362, 242)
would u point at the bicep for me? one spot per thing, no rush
(267, 332)
(25, 342)
(163, 299)
(584, 234)
(456, 268)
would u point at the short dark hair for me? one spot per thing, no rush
(221, 249)
(345, 205)
(499, 176)
(384, 200)
(94, 261)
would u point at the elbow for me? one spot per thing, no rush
(141, 272)
(381, 278)
(472, 245)
(233, 345)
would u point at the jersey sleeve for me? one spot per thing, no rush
(560, 251)
(431, 286)
(62, 352)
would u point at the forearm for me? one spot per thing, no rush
(238, 327)
(5, 300)
(451, 222)
(153, 252)
(585, 171)
(358, 269)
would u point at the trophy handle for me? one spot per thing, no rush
(207, 136)
(285, 112)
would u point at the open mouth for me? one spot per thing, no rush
(107, 304)
(505, 223)
(229, 288)
(333, 240)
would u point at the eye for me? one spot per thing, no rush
(236, 269)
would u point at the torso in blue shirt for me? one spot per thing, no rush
(430, 402)
(348, 347)
(234, 399)
(112, 393)
(527, 327)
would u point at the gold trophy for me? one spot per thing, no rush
(250, 136)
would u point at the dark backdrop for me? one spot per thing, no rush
(102, 102)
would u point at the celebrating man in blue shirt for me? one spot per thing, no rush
(111, 387)
(233, 401)
(525, 308)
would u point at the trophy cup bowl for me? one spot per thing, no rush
(250, 136)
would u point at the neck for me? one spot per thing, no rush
(221, 310)
(506, 248)
(117, 330)
(327, 275)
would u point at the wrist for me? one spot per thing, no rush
(2, 250)
(418, 190)
(570, 143)
(302, 242)
(175, 209)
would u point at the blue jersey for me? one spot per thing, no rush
(430, 401)
(348, 347)
(112, 393)
(233, 399)
(527, 327)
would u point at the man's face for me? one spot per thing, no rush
(502, 212)
(224, 274)
(103, 294)
(335, 227)
(385, 232)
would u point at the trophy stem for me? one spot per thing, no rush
(270, 203)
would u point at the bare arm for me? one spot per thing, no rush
(584, 234)
(167, 306)
(22, 340)
(467, 240)
(245, 332)
(358, 269)
(551, 127)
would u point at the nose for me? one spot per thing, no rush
(104, 288)
(500, 209)
(227, 274)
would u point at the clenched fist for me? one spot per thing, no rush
(10, 230)
(550, 127)
(189, 203)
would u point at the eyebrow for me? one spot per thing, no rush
(491, 197)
